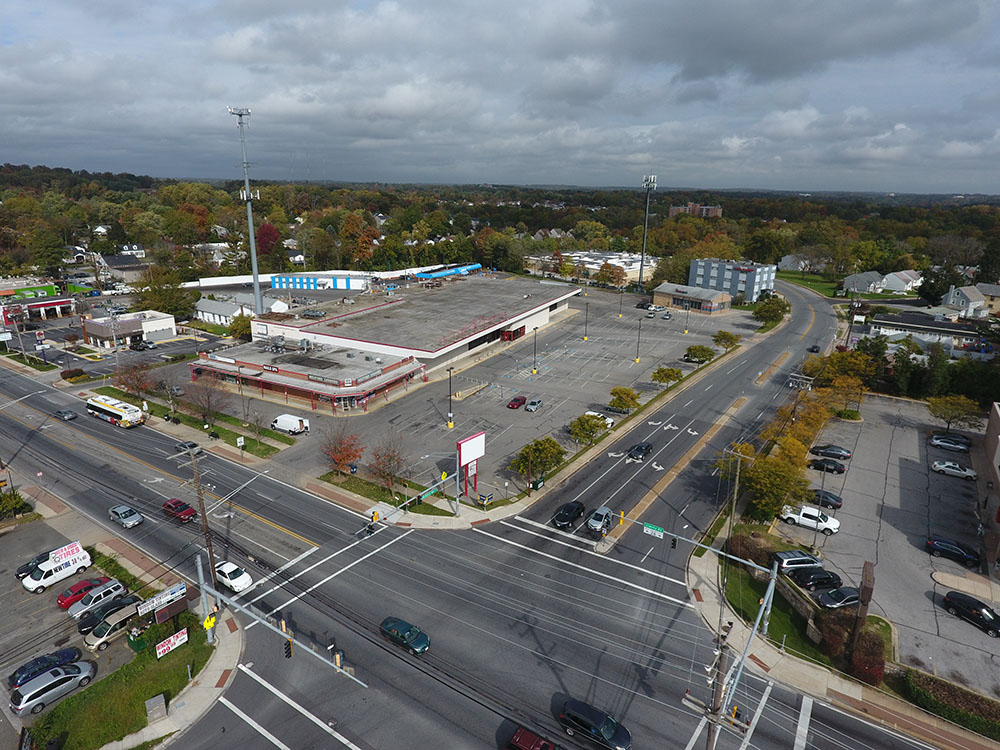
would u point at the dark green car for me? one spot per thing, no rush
(408, 636)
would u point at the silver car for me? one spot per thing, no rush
(36, 694)
(113, 589)
(125, 516)
(600, 520)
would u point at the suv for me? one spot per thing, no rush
(815, 578)
(940, 546)
(106, 592)
(639, 451)
(793, 559)
(600, 521)
(973, 610)
(534, 405)
(595, 725)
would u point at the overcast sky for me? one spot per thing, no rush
(888, 95)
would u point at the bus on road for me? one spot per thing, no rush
(117, 412)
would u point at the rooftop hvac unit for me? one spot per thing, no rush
(378, 360)
(368, 358)
(351, 355)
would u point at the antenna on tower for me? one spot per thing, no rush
(243, 120)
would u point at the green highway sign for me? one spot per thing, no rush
(656, 531)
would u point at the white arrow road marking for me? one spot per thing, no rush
(223, 515)
(671, 427)
(691, 432)
(657, 466)
(154, 480)
(615, 455)
(654, 424)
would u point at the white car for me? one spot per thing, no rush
(608, 421)
(232, 576)
(953, 469)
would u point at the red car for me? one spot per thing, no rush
(78, 590)
(517, 402)
(180, 510)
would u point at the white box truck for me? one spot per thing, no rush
(291, 424)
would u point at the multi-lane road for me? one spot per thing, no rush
(521, 615)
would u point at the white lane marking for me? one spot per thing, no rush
(697, 734)
(760, 415)
(312, 717)
(261, 581)
(257, 543)
(802, 729)
(687, 404)
(756, 716)
(709, 387)
(334, 575)
(590, 571)
(730, 372)
(305, 570)
(257, 727)
(647, 554)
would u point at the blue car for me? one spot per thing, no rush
(406, 635)
(40, 664)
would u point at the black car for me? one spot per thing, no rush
(814, 349)
(40, 664)
(973, 610)
(406, 635)
(641, 305)
(825, 499)
(639, 451)
(837, 598)
(828, 465)
(831, 451)
(23, 571)
(567, 514)
(581, 718)
(93, 618)
(816, 578)
(940, 546)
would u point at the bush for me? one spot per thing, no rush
(749, 548)
(850, 414)
(72, 373)
(834, 627)
(11, 504)
(954, 703)
(868, 659)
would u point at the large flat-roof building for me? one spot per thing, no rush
(344, 353)
(691, 298)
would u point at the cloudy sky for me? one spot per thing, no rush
(891, 95)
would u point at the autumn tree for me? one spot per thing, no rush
(726, 339)
(666, 375)
(611, 274)
(133, 378)
(342, 448)
(538, 457)
(769, 482)
(959, 411)
(208, 399)
(239, 328)
(587, 428)
(267, 237)
(699, 354)
(845, 390)
(624, 398)
(159, 289)
(387, 460)
(772, 310)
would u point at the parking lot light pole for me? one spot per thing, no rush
(638, 338)
(451, 421)
(586, 318)
(687, 316)
(534, 354)
(621, 296)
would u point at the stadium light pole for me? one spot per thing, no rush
(241, 113)
(649, 185)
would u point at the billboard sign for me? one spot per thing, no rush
(163, 598)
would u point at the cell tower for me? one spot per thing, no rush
(243, 119)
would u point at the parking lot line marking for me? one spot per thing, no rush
(254, 725)
(309, 715)
(334, 575)
(591, 571)
(802, 729)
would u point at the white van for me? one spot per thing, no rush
(62, 563)
(290, 423)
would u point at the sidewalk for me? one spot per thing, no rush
(201, 694)
(771, 662)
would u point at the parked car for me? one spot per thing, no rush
(113, 589)
(568, 514)
(125, 516)
(180, 510)
(953, 436)
(93, 618)
(23, 571)
(838, 598)
(176, 390)
(826, 499)
(609, 422)
(639, 451)
(600, 520)
(31, 670)
(581, 718)
(950, 444)
(666, 316)
(831, 451)
(973, 610)
(642, 305)
(232, 576)
(525, 739)
(313, 313)
(65, 415)
(828, 465)
(940, 546)
(78, 590)
(810, 518)
(953, 469)
(534, 405)
(517, 402)
(815, 578)
(188, 446)
(651, 314)
(793, 559)
(33, 696)
(406, 635)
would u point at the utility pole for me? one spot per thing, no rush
(718, 686)
(204, 517)
(241, 113)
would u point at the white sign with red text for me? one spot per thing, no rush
(166, 646)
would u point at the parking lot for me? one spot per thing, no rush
(891, 502)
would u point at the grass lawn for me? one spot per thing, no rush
(811, 281)
(380, 493)
(209, 327)
(270, 434)
(114, 706)
(37, 364)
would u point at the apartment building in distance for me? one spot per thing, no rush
(696, 209)
(740, 278)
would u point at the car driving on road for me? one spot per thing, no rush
(581, 718)
(406, 635)
(125, 516)
(639, 451)
(940, 546)
(568, 514)
(600, 520)
(972, 610)
(180, 510)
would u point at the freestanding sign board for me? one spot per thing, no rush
(163, 598)
(166, 646)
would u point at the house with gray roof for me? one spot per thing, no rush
(867, 282)
(968, 300)
(991, 297)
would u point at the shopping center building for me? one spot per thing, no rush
(341, 354)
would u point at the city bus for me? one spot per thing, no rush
(117, 412)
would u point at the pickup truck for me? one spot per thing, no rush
(810, 518)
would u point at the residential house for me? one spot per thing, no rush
(866, 282)
(216, 312)
(901, 281)
(968, 300)
(991, 297)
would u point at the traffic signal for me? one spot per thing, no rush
(288, 649)
(374, 516)
(673, 543)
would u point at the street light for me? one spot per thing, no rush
(638, 336)
(648, 184)
(621, 296)
(586, 317)
(687, 316)
(534, 354)
(451, 421)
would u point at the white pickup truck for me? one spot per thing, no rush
(810, 518)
